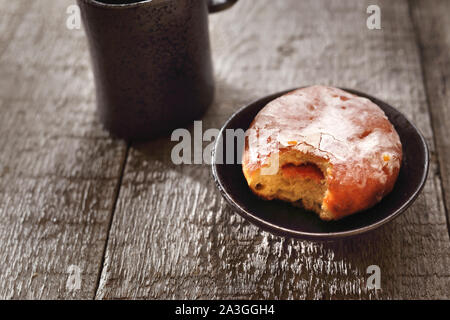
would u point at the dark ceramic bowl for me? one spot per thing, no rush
(283, 219)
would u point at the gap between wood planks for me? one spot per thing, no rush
(123, 165)
(415, 26)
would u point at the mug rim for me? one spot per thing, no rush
(138, 3)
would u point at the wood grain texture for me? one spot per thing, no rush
(172, 235)
(432, 24)
(58, 169)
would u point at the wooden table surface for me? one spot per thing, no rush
(136, 226)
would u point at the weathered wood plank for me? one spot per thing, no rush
(432, 22)
(58, 169)
(173, 236)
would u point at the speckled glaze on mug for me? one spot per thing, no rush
(151, 61)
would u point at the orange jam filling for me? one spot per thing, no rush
(303, 171)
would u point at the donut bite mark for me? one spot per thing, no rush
(300, 179)
(335, 153)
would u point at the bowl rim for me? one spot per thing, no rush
(289, 233)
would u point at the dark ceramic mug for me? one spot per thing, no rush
(152, 62)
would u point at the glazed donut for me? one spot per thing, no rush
(323, 148)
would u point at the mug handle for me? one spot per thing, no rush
(219, 5)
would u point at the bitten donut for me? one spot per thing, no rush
(329, 150)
